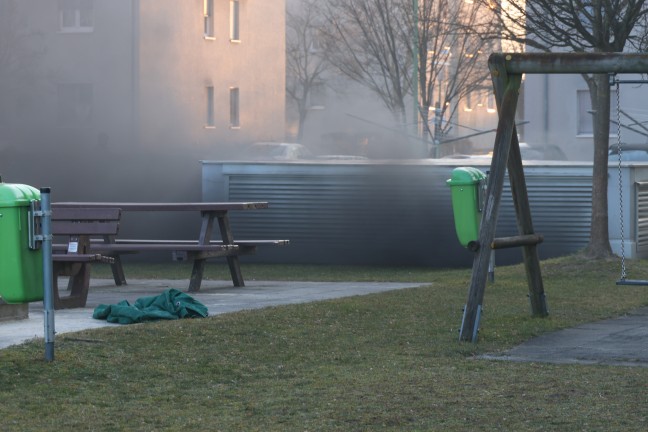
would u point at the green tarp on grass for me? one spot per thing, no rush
(171, 304)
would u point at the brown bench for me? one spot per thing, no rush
(183, 250)
(214, 216)
(73, 258)
(90, 237)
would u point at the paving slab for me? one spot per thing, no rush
(219, 297)
(620, 341)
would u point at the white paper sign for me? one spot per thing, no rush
(73, 247)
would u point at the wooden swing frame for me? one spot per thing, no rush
(506, 73)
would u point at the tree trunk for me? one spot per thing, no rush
(599, 243)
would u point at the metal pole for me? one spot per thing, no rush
(437, 128)
(48, 297)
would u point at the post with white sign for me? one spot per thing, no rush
(48, 296)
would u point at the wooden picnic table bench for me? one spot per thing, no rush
(198, 250)
(73, 257)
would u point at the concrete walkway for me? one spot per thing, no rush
(618, 342)
(621, 342)
(219, 297)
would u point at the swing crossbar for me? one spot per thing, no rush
(638, 282)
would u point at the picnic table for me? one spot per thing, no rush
(198, 250)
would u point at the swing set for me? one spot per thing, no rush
(506, 73)
(623, 279)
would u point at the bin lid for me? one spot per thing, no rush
(466, 176)
(17, 195)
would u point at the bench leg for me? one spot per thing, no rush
(78, 285)
(235, 270)
(232, 260)
(118, 271)
(196, 275)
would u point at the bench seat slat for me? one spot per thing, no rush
(188, 242)
(107, 214)
(95, 228)
(113, 247)
(81, 258)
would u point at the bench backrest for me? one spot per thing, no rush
(86, 221)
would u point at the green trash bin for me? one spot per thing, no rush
(466, 186)
(21, 268)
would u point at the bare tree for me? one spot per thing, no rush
(369, 41)
(378, 43)
(305, 63)
(582, 26)
(451, 56)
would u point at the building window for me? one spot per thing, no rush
(317, 96)
(491, 106)
(468, 103)
(76, 15)
(235, 120)
(209, 120)
(314, 41)
(234, 21)
(208, 13)
(585, 124)
(74, 104)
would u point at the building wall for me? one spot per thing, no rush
(552, 109)
(147, 66)
(177, 64)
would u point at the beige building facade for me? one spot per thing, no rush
(117, 97)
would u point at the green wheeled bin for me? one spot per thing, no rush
(21, 268)
(466, 186)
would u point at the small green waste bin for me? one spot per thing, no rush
(466, 187)
(21, 268)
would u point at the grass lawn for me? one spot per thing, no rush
(382, 362)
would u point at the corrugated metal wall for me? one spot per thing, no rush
(561, 208)
(641, 189)
(389, 213)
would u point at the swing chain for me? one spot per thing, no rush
(619, 150)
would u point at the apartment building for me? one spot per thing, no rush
(109, 96)
(559, 112)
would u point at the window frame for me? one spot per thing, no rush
(317, 96)
(491, 104)
(581, 129)
(83, 22)
(235, 108)
(208, 19)
(235, 21)
(468, 101)
(210, 110)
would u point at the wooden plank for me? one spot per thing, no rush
(203, 255)
(157, 206)
(506, 91)
(215, 242)
(74, 228)
(232, 261)
(525, 227)
(76, 257)
(543, 63)
(122, 247)
(515, 241)
(86, 214)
